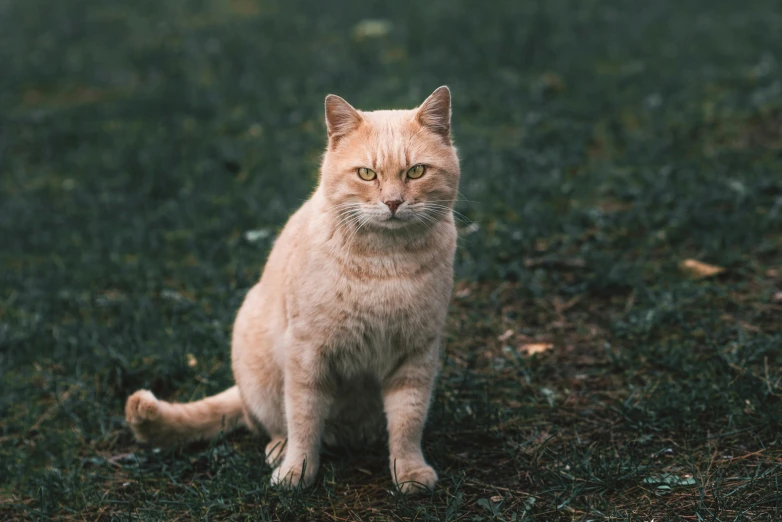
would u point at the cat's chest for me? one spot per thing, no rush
(396, 295)
(378, 323)
(367, 320)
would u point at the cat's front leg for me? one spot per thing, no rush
(406, 396)
(307, 403)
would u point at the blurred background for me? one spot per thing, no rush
(621, 208)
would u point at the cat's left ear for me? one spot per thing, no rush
(435, 112)
(341, 118)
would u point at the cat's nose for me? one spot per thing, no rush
(393, 205)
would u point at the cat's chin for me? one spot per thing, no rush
(394, 223)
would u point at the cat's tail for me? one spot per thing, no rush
(164, 424)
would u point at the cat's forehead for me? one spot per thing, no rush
(389, 121)
(388, 138)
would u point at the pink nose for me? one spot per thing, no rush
(393, 205)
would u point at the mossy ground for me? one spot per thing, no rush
(602, 143)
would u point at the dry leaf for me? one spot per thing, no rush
(244, 7)
(553, 81)
(504, 337)
(191, 360)
(698, 270)
(533, 348)
(371, 29)
(253, 236)
(778, 297)
(534, 262)
(464, 292)
(121, 456)
(743, 324)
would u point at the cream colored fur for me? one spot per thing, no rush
(343, 330)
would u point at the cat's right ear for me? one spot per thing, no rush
(341, 118)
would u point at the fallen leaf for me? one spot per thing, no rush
(174, 295)
(550, 395)
(744, 324)
(778, 297)
(192, 362)
(371, 29)
(533, 348)
(666, 480)
(470, 229)
(464, 292)
(244, 7)
(253, 236)
(504, 337)
(122, 456)
(496, 499)
(553, 262)
(552, 81)
(698, 270)
(614, 206)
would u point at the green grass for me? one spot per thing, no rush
(602, 143)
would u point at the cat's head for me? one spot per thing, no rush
(390, 169)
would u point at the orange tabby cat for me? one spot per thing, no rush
(346, 321)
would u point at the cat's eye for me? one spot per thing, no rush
(416, 172)
(366, 174)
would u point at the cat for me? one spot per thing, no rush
(343, 330)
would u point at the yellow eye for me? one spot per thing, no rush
(416, 172)
(366, 174)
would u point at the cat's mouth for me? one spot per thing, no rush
(393, 221)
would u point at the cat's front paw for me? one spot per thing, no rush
(291, 476)
(414, 478)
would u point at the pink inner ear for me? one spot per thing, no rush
(341, 117)
(435, 112)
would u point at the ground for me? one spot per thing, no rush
(150, 151)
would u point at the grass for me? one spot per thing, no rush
(602, 143)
